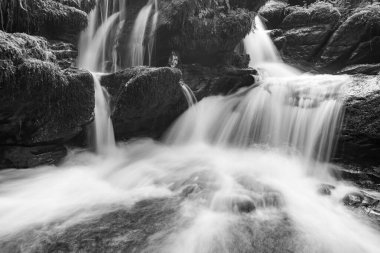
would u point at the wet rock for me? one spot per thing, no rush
(325, 189)
(244, 206)
(366, 69)
(360, 135)
(145, 101)
(189, 189)
(353, 199)
(115, 229)
(208, 81)
(363, 176)
(27, 157)
(363, 201)
(47, 18)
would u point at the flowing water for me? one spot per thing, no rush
(137, 45)
(237, 174)
(101, 46)
(104, 135)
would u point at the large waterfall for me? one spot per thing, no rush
(238, 173)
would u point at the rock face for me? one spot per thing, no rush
(200, 31)
(41, 103)
(53, 19)
(324, 36)
(207, 81)
(145, 101)
(360, 138)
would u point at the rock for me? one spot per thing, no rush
(360, 134)
(366, 52)
(41, 103)
(325, 189)
(353, 199)
(305, 30)
(199, 31)
(367, 69)
(117, 229)
(145, 101)
(208, 81)
(273, 13)
(27, 157)
(247, 4)
(323, 36)
(362, 200)
(244, 205)
(47, 18)
(361, 26)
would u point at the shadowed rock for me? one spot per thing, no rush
(145, 101)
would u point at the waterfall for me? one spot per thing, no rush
(264, 55)
(230, 176)
(137, 47)
(188, 93)
(97, 44)
(104, 135)
(300, 113)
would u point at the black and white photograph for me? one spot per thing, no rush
(189, 126)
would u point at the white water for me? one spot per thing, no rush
(188, 93)
(136, 43)
(104, 135)
(252, 147)
(97, 45)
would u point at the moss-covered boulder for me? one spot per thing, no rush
(200, 31)
(52, 19)
(40, 103)
(145, 101)
(325, 36)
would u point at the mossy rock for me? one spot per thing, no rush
(47, 18)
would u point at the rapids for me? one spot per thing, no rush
(239, 173)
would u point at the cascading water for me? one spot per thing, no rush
(97, 46)
(137, 47)
(104, 135)
(231, 177)
(189, 95)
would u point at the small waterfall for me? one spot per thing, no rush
(104, 135)
(97, 45)
(301, 113)
(93, 57)
(137, 47)
(264, 55)
(189, 94)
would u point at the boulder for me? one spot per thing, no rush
(27, 157)
(145, 101)
(361, 26)
(49, 18)
(208, 81)
(40, 103)
(367, 69)
(325, 36)
(305, 30)
(359, 142)
(273, 13)
(199, 31)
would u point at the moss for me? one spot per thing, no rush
(42, 17)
